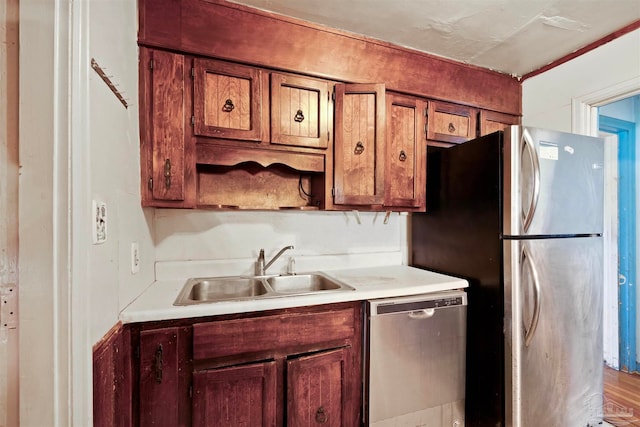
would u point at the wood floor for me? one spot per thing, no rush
(621, 398)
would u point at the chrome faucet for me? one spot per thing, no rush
(261, 267)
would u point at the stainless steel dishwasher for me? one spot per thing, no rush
(415, 360)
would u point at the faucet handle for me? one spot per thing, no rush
(259, 267)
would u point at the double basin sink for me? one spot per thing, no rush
(235, 288)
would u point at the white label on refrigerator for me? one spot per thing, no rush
(548, 151)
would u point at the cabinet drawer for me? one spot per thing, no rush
(451, 123)
(240, 336)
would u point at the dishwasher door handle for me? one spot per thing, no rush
(422, 314)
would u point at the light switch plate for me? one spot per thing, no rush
(99, 222)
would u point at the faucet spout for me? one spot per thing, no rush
(261, 268)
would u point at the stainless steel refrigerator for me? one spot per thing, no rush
(519, 214)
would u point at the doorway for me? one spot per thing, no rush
(620, 119)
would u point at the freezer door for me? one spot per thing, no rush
(553, 183)
(553, 325)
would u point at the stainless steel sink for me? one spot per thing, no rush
(303, 283)
(234, 288)
(224, 288)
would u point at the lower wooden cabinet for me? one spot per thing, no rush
(316, 389)
(244, 395)
(295, 367)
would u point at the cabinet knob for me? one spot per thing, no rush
(299, 117)
(321, 415)
(452, 128)
(228, 106)
(359, 149)
(403, 156)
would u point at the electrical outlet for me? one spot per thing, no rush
(99, 221)
(135, 258)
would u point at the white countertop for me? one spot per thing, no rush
(156, 303)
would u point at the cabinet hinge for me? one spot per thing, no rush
(151, 64)
(190, 391)
(150, 184)
(193, 72)
(328, 136)
(333, 192)
(333, 96)
(136, 352)
(193, 120)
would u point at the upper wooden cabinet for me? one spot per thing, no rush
(450, 123)
(299, 111)
(227, 100)
(359, 144)
(492, 121)
(167, 152)
(228, 111)
(406, 147)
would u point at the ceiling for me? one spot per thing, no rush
(510, 36)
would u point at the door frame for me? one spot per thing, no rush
(584, 120)
(627, 180)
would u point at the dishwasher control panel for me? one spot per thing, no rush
(418, 302)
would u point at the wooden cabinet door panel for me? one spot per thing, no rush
(451, 123)
(236, 396)
(227, 100)
(492, 121)
(406, 152)
(166, 128)
(299, 111)
(359, 144)
(316, 389)
(163, 385)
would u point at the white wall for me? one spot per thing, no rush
(77, 143)
(8, 212)
(113, 175)
(200, 243)
(547, 98)
(608, 71)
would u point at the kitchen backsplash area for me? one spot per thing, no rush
(206, 243)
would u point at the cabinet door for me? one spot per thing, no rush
(316, 389)
(451, 123)
(405, 177)
(299, 111)
(236, 396)
(227, 100)
(359, 144)
(164, 395)
(165, 149)
(491, 121)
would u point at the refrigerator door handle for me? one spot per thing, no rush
(531, 330)
(529, 145)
